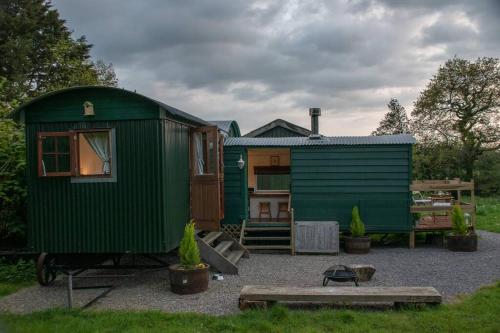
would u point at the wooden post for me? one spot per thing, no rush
(242, 231)
(70, 291)
(411, 239)
(473, 203)
(292, 231)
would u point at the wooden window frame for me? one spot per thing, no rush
(74, 153)
(70, 173)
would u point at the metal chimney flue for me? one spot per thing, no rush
(314, 113)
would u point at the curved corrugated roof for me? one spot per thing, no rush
(175, 113)
(397, 139)
(225, 126)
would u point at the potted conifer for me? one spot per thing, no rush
(357, 242)
(191, 275)
(461, 239)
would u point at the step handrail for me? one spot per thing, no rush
(242, 231)
(292, 231)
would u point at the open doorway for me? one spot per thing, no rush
(269, 184)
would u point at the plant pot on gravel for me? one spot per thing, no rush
(191, 275)
(357, 243)
(461, 239)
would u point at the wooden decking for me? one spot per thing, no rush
(436, 215)
(261, 296)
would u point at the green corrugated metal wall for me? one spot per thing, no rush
(235, 186)
(328, 181)
(278, 132)
(144, 211)
(175, 166)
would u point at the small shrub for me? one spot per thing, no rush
(458, 221)
(189, 252)
(357, 226)
(21, 271)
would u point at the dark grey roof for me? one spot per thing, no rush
(324, 141)
(301, 131)
(175, 113)
(225, 127)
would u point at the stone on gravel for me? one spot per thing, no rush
(363, 272)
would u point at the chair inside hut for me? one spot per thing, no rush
(269, 184)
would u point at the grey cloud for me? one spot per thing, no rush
(252, 56)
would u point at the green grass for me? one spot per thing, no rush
(488, 213)
(7, 288)
(15, 276)
(476, 313)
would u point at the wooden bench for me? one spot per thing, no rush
(262, 296)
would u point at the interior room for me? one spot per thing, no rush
(269, 184)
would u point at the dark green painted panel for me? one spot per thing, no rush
(108, 105)
(355, 168)
(144, 211)
(175, 172)
(328, 181)
(350, 155)
(351, 162)
(351, 175)
(235, 186)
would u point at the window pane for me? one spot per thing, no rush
(63, 144)
(49, 161)
(95, 156)
(63, 163)
(49, 144)
(211, 146)
(271, 182)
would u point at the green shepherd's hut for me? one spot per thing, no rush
(110, 171)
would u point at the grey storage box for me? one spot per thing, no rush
(317, 237)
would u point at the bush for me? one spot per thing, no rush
(21, 271)
(189, 252)
(12, 183)
(458, 221)
(357, 226)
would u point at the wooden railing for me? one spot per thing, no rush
(454, 185)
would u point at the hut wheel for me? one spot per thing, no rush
(45, 269)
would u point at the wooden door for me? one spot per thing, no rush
(206, 178)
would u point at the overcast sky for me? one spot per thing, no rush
(255, 61)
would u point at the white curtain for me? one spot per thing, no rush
(99, 141)
(198, 146)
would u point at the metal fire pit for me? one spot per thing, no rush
(340, 273)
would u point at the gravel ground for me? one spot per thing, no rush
(452, 273)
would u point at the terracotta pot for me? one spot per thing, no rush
(467, 243)
(188, 281)
(357, 245)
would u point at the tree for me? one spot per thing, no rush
(12, 183)
(395, 121)
(38, 54)
(461, 105)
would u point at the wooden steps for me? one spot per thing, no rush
(261, 296)
(266, 235)
(234, 256)
(268, 238)
(268, 247)
(211, 236)
(221, 251)
(267, 229)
